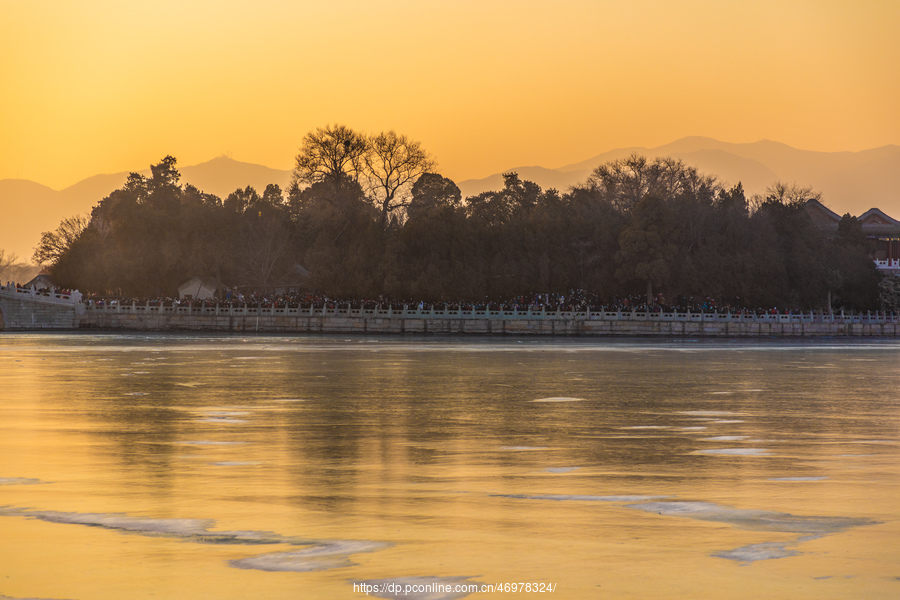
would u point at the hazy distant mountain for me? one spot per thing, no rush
(26, 209)
(222, 175)
(849, 181)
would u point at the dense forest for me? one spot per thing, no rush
(367, 217)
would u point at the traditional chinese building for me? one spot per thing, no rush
(876, 225)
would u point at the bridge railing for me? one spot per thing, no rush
(14, 292)
(344, 311)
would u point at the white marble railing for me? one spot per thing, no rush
(886, 265)
(13, 292)
(425, 313)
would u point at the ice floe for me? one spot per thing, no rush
(194, 530)
(580, 498)
(207, 443)
(797, 478)
(806, 528)
(755, 520)
(322, 555)
(736, 452)
(317, 555)
(19, 481)
(2, 597)
(559, 399)
(755, 552)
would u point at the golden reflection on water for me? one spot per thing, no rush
(179, 466)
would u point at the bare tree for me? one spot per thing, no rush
(55, 243)
(392, 165)
(330, 153)
(791, 195)
(11, 269)
(7, 260)
(625, 182)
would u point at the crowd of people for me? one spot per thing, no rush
(572, 301)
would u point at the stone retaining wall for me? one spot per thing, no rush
(17, 314)
(329, 323)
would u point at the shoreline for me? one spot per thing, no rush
(27, 311)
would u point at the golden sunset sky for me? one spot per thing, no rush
(106, 86)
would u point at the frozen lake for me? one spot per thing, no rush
(190, 466)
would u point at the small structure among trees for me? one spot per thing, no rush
(198, 288)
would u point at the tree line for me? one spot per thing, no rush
(367, 216)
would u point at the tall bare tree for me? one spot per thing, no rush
(330, 153)
(55, 243)
(625, 182)
(7, 260)
(393, 163)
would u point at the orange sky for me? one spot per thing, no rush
(106, 86)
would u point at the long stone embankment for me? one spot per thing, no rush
(23, 310)
(422, 321)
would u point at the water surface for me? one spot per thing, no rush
(148, 466)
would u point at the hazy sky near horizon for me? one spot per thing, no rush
(103, 86)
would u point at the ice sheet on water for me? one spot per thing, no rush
(329, 554)
(736, 452)
(207, 443)
(725, 438)
(418, 588)
(580, 498)
(755, 520)
(237, 463)
(808, 528)
(560, 469)
(797, 478)
(19, 481)
(193, 530)
(755, 552)
(2, 597)
(221, 416)
(559, 399)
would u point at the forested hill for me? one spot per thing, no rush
(848, 181)
(653, 227)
